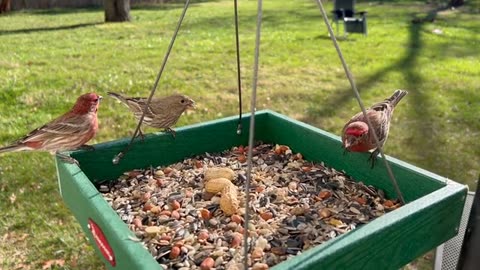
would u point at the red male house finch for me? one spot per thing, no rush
(356, 136)
(161, 112)
(68, 132)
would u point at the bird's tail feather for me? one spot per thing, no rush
(12, 148)
(118, 96)
(397, 96)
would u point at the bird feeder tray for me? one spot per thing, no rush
(430, 217)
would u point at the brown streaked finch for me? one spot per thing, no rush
(356, 136)
(68, 132)
(161, 113)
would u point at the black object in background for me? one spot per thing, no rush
(469, 258)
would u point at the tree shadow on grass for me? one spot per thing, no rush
(421, 135)
(61, 11)
(406, 65)
(47, 29)
(272, 18)
(173, 4)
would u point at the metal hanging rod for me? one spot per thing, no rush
(251, 133)
(360, 103)
(120, 155)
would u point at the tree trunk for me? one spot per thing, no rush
(117, 10)
(4, 6)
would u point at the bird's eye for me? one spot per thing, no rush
(96, 100)
(182, 101)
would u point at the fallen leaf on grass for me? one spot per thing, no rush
(13, 237)
(22, 267)
(5, 237)
(23, 237)
(12, 198)
(57, 262)
(74, 261)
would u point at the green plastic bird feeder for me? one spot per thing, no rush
(430, 217)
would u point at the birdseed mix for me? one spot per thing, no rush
(189, 215)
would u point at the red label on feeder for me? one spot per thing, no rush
(102, 242)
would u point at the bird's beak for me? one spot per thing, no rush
(100, 98)
(192, 105)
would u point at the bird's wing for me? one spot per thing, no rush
(382, 106)
(380, 121)
(160, 106)
(66, 125)
(388, 105)
(355, 118)
(138, 105)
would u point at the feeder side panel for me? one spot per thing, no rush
(97, 217)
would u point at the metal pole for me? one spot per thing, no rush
(469, 258)
(251, 134)
(239, 77)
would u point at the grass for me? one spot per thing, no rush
(49, 57)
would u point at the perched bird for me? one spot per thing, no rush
(357, 137)
(161, 112)
(68, 132)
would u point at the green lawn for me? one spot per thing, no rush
(49, 57)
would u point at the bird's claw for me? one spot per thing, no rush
(140, 134)
(171, 131)
(372, 161)
(68, 159)
(87, 147)
(373, 158)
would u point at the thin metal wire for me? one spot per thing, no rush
(251, 134)
(357, 96)
(239, 80)
(120, 155)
